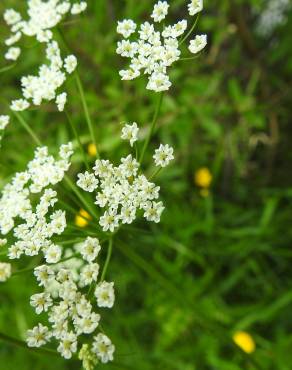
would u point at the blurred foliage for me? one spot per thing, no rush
(217, 263)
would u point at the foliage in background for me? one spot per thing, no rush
(219, 262)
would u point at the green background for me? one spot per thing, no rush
(215, 264)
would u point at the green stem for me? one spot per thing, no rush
(190, 31)
(108, 258)
(23, 271)
(153, 126)
(27, 128)
(7, 68)
(74, 188)
(77, 137)
(86, 111)
(22, 344)
(155, 173)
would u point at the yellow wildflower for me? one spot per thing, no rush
(82, 218)
(244, 341)
(91, 149)
(203, 178)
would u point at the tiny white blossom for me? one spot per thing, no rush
(198, 44)
(53, 254)
(5, 271)
(158, 82)
(89, 249)
(38, 336)
(195, 6)
(70, 64)
(79, 8)
(103, 348)
(4, 120)
(89, 274)
(87, 181)
(41, 302)
(105, 294)
(126, 28)
(19, 105)
(163, 155)
(13, 53)
(160, 11)
(68, 345)
(61, 101)
(130, 132)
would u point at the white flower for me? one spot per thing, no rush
(44, 275)
(87, 181)
(61, 101)
(4, 120)
(41, 302)
(105, 294)
(70, 64)
(5, 271)
(198, 44)
(53, 254)
(126, 28)
(68, 345)
(3, 242)
(89, 249)
(13, 53)
(160, 11)
(38, 336)
(130, 132)
(11, 17)
(163, 155)
(19, 105)
(79, 8)
(195, 6)
(87, 324)
(158, 82)
(89, 274)
(109, 221)
(103, 348)
(153, 211)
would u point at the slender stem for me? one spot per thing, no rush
(190, 31)
(19, 272)
(7, 68)
(22, 344)
(74, 188)
(27, 128)
(153, 126)
(77, 137)
(155, 173)
(86, 111)
(108, 258)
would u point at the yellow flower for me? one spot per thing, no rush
(82, 218)
(203, 178)
(244, 341)
(91, 149)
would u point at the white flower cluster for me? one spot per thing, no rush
(15, 202)
(122, 190)
(50, 78)
(71, 313)
(272, 16)
(154, 52)
(43, 16)
(4, 121)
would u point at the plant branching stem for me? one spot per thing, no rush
(27, 128)
(86, 112)
(77, 137)
(190, 31)
(22, 344)
(108, 258)
(153, 126)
